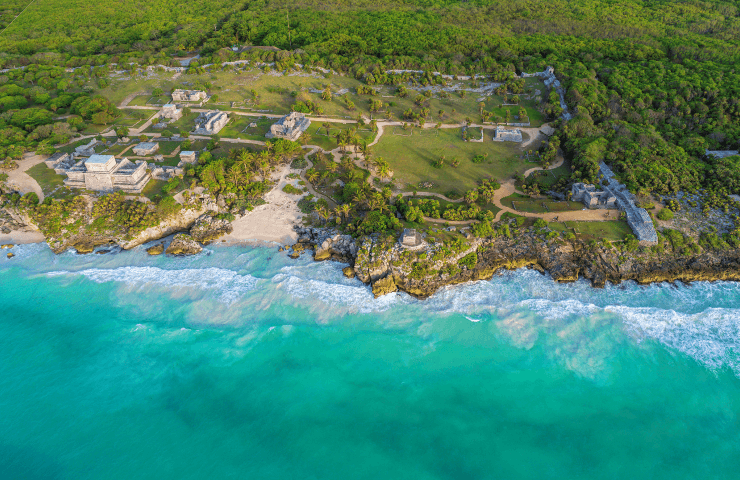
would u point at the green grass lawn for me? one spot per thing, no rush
(411, 160)
(524, 203)
(47, 179)
(166, 148)
(238, 127)
(275, 94)
(612, 230)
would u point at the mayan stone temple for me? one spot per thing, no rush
(290, 127)
(504, 134)
(104, 173)
(188, 95)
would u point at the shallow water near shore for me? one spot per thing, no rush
(242, 363)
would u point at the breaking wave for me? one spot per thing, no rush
(229, 285)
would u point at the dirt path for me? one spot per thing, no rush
(19, 180)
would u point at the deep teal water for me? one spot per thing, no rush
(240, 363)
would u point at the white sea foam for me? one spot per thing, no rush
(357, 298)
(230, 285)
(711, 337)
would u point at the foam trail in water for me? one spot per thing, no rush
(230, 285)
(711, 337)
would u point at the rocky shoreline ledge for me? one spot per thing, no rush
(384, 263)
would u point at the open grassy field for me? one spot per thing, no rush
(275, 93)
(411, 158)
(612, 230)
(524, 203)
(238, 127)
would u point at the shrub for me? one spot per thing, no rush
(665, 214)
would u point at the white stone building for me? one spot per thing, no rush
(210, 123)
(188, 95)
(290, 126)
(60, 162)
(105, 174)
(170, 112)
(581, 192)
(86, 150)
(188, 156)
(503, 134)
(145, 148)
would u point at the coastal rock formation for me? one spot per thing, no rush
(183, 244)
(157, 249)
(383, 263)
(208, 228)
(328, 243)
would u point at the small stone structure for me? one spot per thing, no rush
(145, 148)
(170, 112)
(722, 153)
(60, 162)
(105, 173)
(188, 156)
(503, 134)
(210, 123)
(638, 218)
(86, 150)
(165, 173)
(188, 95)
(411, 239)
(588, 194)
(290, 126)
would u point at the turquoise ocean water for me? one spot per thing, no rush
(241, 363)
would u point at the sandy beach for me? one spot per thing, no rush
(273, 221)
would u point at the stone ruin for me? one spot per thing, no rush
(188, 95)
(290, 126)
(411, 239)
(145, 148)
(170, 112)
(60, 162)
(503, 134)
(591, 197)
(638, 218)
(210, 123)
(188, 156)
(86, 150)
(105, 173)
(722, 153)
(552, 82)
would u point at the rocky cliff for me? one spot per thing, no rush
(384, 264)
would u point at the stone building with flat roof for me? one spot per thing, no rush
(210, 123)
(188, 95)
(170, 112)
(503, 134)
(104, 173)
(290, 126)
(145, 148)
(188, 156)
(592, 198)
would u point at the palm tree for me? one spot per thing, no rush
(347, 164)
(322, 212)
(332, 166)
(312, 175)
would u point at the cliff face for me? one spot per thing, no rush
(388, 267)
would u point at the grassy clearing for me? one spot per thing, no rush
(612, 230)
(524, 203)
(166, 148)
(411, 160)
(238, 127)
(47, 178)
(276, 93)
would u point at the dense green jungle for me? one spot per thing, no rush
(652, 84)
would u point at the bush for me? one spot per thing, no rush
(665, 214)
(469, 261)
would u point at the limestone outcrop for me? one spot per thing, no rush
(208, 228)
(157, 249)
(382, 263)
(183, 244)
